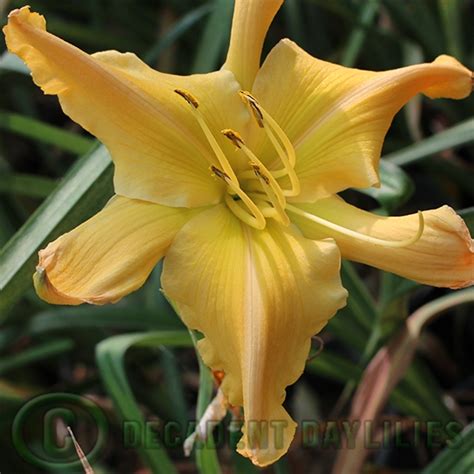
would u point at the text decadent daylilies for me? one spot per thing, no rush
(232, 177)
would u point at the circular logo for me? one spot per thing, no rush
(40, 435)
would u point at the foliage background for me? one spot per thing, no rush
(135, 359)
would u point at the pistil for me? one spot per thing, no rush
(357, 235)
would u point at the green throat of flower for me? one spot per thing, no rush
(255, 195)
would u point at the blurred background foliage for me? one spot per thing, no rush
(135, 359)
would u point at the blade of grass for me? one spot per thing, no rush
(458, 135)
(396, 187)
(131, 317)
(178, 30)
(36, 130)
(294, 19)
(451, 15)
(367, 13)
(7, 229)
(457, 458)
(468, 216)
(84, 190)
(332, 365)
(385, 371)
(206, 455)
(33, 354)
(110, 357)
(214, 38)
(27, 185)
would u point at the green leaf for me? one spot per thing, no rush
(332, 365)
(110, 356)
(83, 191)
(396, 187)
(368, 10)
(26, 185)
(294, 18)
(468, 216)
(206, 455)
(214, 38)
(33, 354)
(178, 30)
(458, 135)
(451, 15)
(117, 317)
(457, 458)
(39, 131)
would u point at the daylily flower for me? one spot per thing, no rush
(248, 220)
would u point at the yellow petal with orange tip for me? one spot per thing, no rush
(108, 256)
(250, 24)
(337, 117)
(443, 256)
(160, 154)
(258, 297)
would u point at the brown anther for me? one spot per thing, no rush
(233, 136)
(259, 174)
(189, 98)
(219, 173)
(253, 104)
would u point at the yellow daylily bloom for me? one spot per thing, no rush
(232, 178)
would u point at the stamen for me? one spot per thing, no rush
(254, 161)
(250, 100)
(287, 167)
(188, 97)
(191, 100)
(357, 235)
(233, 136)
(219, 173)
(265, 182)
(256, 220)
(273, 130)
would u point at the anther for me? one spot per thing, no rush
(233, 136)
(221, 158)
(219, 173)
(259, 174)
(250, 100)
(286, 152)
(254, 161)
(188, 97)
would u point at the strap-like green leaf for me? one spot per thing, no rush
(82, 192)
(110, 356)
(395, 189)
(458, 135)
(457, 458)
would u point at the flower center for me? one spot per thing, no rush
(254, 195)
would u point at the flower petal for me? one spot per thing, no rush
(443, 256)
(160, 153)
(108, 256)
(258, 297)
(250, 24)
(337, 117)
